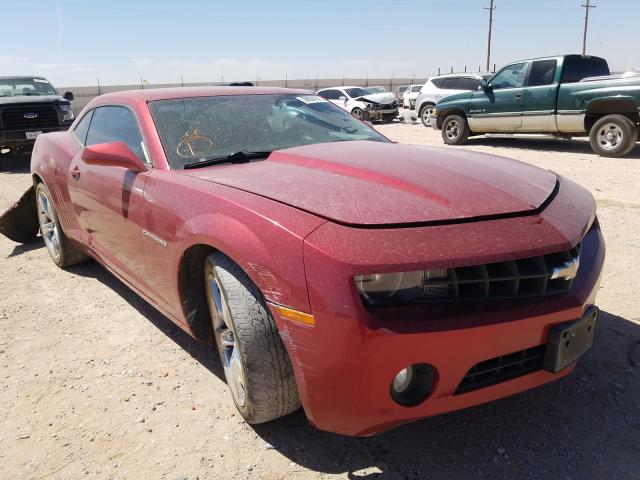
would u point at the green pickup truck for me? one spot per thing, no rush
(567, 96)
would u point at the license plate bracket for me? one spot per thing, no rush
(32, 135)
(569, 341)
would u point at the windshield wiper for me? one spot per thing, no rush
(243, 156)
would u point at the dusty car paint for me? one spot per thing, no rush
(304, 222)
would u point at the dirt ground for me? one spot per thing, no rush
(94, 383)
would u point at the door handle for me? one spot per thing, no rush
(75, 172)
(519, 96)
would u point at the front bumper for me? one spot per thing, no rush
(382, 114)
(433, 120)
(345, 363)
(17, 138)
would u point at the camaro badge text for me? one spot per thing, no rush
(154, 237)
(567, 270)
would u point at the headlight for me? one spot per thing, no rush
(67, 111)
(402, 288)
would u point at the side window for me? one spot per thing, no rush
(469, 84)
(542, 72)
(451, 84)
(511, 76)
(437, 82)
(83, 126)
(325, 94)
(116, 124)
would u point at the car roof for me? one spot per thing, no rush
(15, 77)
(552, 57)
(464, 74)
(154, 94)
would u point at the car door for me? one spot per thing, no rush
(540, 95)
(498, 107)
(109, 200)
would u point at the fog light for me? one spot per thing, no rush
(403, 379)
(413, 384)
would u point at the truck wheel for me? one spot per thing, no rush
(62, 252)
(256, 365)
(613, 136)
(425, 111)
(455, 130)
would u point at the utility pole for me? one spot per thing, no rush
(491, 8)
(586, 7)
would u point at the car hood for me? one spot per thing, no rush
(382, 97)
(366, 183)
(18, 99)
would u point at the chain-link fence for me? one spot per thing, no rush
(83, 95)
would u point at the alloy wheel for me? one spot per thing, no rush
(610, 136)
(48, 225)
(226, 341)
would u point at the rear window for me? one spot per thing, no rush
(576, 68)
(542, 72)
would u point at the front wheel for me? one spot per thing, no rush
(256, 365)
(455, 130)
(425, 112)
(613, 136)
(359, 114)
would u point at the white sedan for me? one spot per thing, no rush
(409, 96)
(361, 103)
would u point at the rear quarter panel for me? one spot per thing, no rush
(577, 96)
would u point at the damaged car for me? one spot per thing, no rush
(363, 104)
(369, 282)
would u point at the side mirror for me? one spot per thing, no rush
(112, 154)
(68, 96)
(485, 85)
(342, 98)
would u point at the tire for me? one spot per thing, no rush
(424, 114)
(256, 365)
(455, 130)
(359, 114)
(61, 250)
(613, 136)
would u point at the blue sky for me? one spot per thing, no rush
(73, 42)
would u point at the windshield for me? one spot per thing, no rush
(356, 92)
(14, 87)
(193, 129)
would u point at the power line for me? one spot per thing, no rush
(586, 7)
(491, 8)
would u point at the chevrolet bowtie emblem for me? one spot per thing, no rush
(567, 270)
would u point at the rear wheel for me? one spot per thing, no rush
(455, 130)
(613, 136)
(256, 365)
(425, 111)
(62, 252)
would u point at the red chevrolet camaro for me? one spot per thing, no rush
(370, 282)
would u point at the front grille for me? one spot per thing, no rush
(526, 277)
(501, 369)
(13, 118)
